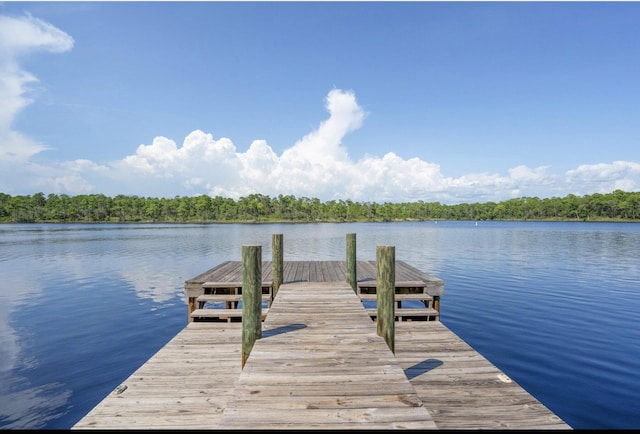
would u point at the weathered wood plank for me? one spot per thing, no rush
(159, 399)
(225, 297)
(408, 312)
(331, 271)
(190, 382)
(398, 284)
(366, 270)
(231, 284)
(462, 388)
(399, 297)
(281, 365)
(223, 313)
(459, 387)
(287, 271)
(338, 271)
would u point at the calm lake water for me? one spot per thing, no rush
(556, 306)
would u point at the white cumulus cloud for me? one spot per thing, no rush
(604, 178)
(318, 165)
(315, 165)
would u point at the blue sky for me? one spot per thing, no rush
(369, 101)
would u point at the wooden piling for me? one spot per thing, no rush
(251, 298)
(277, 261)
(191, 306)
(351, 261)
(294, 381)
(385, 293)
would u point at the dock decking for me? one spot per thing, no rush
(225, 281)
(312, 271)
(319, 364)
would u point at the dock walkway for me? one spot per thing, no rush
(321, 365)
(318, 364)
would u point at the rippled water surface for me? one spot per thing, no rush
(556, 306)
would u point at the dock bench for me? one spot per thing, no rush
(229, 292)
(219, 314)
(405, 290)
(234, 287)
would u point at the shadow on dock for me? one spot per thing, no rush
(422, 368)
(282, 329)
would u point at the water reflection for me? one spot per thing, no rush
(24, 406)
(82, 306)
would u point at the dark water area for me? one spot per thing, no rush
(556, 306)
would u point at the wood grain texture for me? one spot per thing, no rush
(320, 365)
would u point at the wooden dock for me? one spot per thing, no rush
(319, 365)
(225, 281)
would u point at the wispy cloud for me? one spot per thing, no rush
(20, 36)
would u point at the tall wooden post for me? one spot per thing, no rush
(277, 261)
(251, 298)
(351, 261)
(385, 294)
(191, 306)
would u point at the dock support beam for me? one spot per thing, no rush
(385, 294)
(277, 261)
(351, 261)
(251, 298)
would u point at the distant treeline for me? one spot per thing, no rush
(38, 208)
